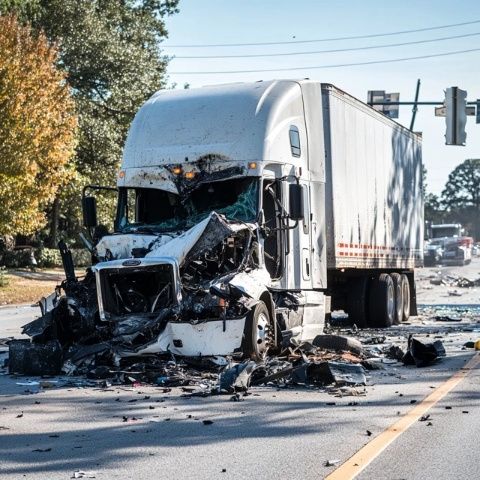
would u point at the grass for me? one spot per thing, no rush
(26, 286)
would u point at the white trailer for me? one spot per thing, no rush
(246, 212)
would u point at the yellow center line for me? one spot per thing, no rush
(360, 460)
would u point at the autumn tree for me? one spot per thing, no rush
(111, 51)
(37, 127)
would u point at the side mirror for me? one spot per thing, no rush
(89, 208)
(295, 194)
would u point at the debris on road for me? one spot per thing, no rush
(454, 281)
(423, 354)
(82, 474)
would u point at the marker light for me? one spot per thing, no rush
(121, 174)
(252, 165)
(189, 175)
(177, 170)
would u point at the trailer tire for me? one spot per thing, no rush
(382, 301)
(398, 288)
(406, 297)
(338, 342)
(357, 301)
(257, 327)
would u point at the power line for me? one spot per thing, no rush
(336, 65)
(331, 39)
(336, 50)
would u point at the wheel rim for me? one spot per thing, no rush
(261, 332)
(390, 302)
(406, 300)
(399, 306)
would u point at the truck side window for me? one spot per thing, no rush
(273, 236)
(295, 141)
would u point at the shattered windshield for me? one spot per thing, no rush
(161, 211)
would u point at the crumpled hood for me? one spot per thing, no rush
(200, 237)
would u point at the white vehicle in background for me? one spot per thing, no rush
(448, 245)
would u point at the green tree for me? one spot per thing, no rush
(461, 196)
(432, 206)
(37, 128)
(111, 52)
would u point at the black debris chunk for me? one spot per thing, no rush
(28, 358)
(42, 450)
(447, 318)
(424, 418)
(338, 343)
(207, 422)
(422, 354)
(395, 353)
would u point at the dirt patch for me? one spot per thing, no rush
(27, 286)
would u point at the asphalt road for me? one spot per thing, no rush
(50, 430)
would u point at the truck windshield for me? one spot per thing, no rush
(160, 211)
(440, 232)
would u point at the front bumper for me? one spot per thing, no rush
(210, 337)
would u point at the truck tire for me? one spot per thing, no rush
(338, 342)
(382, 301)
(406, 297)
(398, 288)
(256, 334)
(357, 301)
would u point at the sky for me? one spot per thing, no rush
(202, 22)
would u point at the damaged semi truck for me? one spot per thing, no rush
(246, 214)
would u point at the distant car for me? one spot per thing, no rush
(433, 253)
(476, 250)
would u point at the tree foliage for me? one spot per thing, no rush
(463, 186)
(111, 52)
(37, 127)
(461, 195)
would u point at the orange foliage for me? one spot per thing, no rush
(37, 127)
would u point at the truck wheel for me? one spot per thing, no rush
(257, 332)
(406, 297)
(357, 302)
(398, 289)
(382, 301)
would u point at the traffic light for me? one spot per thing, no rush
(456, 116)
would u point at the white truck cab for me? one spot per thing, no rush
(246, 210)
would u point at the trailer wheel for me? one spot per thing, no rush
(357, 301)
(398, 289)
(406, 297)
(256, 341)
(382, 301)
